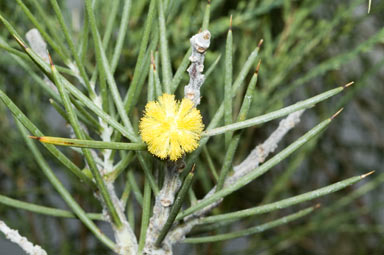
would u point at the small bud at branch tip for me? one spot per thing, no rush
(230, 23)
(207, 35)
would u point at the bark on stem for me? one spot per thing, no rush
(199, 44)
(252, 161)
(14, 236)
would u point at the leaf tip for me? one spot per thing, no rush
(50, 61)
(348, 84)
(337, 113)
(367, 174)
(34, 137)
(230, 23)
(260, 43)
(153, 64)
(258, 67)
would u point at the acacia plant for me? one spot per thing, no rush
(147, 114)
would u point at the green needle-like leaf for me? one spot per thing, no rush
(220, 112)
(181, 195)
(234, 141)
(308, 103)
(165, 61)
(228, 84)
(121, 35)
(135, 188)
(105, 68)
(140, 59)
(71, 45)
(44, 209)
(180, 71)
(207, 16)
(62, 51)
(20, 116)
(185, 62)
(90, 144)
(147, 171)
(71, 202)
(285, 202)
(252, 230)
(91, 162)
(146, 214)
(72, 89)
(258, 171)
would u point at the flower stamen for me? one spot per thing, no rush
(171, 128)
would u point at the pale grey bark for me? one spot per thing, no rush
(14, 236)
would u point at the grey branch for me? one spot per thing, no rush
(162, 208)
(199, 43)
(252, 161)
(261, 152)
(15, 237)
(164, 200)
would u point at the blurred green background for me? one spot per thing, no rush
(310, 46)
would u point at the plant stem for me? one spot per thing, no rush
(285, 202)
(308, 103)
(44, 209)
(176, 207)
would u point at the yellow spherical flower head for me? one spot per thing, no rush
(171, 128)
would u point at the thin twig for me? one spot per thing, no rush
(257, 156)
(15, 237)
(260, 153)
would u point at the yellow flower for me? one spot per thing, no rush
(171, 128)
